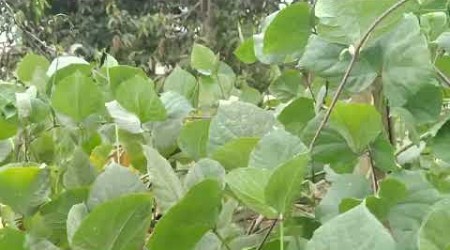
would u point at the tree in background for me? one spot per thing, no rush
(140, 32)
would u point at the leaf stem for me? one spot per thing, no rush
(266, 236)
(281, 232)
(350, 67)
(443, 77)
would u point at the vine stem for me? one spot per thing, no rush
(266, 236)
(281, 232)
(350, 67)
(443, 77)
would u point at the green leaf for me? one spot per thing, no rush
(425, 105)
(166, 186)
(355, 229)
(204, 169)
(407, 215)
(32, 69)
(235, 153)
(382, 153)
(78, 97)
(24, 187)
(189, 219)
(115, 181)
(138, 96)
(245, 52)
(342, 186)
(346, 21)
(274, 149)
(125, 120)
(284, 186)
(330, 60)
(248, 185)
(8, 126)
(433, 24)
(433, 232)
(6, 147)
(74, 218)
(297, 114)
(182, 82)
(203, 59)
(238, 119)
(166, 133)
(250, 95)
(121, 223)
(440, 143)
(282, 36)
(193, 138)
(54, 213)
(12, 239)
(359, 124)
(80, 172)
(59, 64)
(443, 41)
(287, 86)
(122, 73)
(406, 65)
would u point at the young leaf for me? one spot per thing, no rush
(204, 169)
(203, 59)
(287, 86)
(74, 218)
(24, 187)
(245, 52)
(359, 124)
(235, 153)
(355, 229)
(274, 149)
(440, 143)
(182, 82)
(115, 181)
(32, 69)
(121, 223)
(236, 120)
(78, 97)
(12, 239)
(296, 115)
(289, 30)
(138, 96)
(194, 138)
(285, 183)
(80, 172)
(189, 219)
(248, 184)
(166, 186)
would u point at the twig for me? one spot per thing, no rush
(350, 67)
(374, 176)
(443, 77)
(272, 226)
(412, 144)
(255, 224)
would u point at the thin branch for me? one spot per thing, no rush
(443, 77)
(374, 176)
(272, 226)
(350, 67)
(255, 224)
(412, 144)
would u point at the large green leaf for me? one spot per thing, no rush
(121, 223)
(54, 214)
(406, 65)
(296, 115)
(407, 215)
(182, 82)
(138, 96)
(356, 229)
(114, 182)
(204, 169)
(78, 97)
(235, 153)
(166, 186)
(166, 133)
(79, 172)
(62, 63)
(289, 30)
(238, 119)
(440, 144)
(342, 186)
(32, 69)
(287, 86)
(330, 60)
(194, 138)
(248, 184)
(284, 186)
(274, 149)
(186, 222)
(122, 73)
(12, 239)
(433, 232)
(346, 21)
(203, 59)
(359, 124)
(24, 187)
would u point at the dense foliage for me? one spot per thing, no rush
(348, 150)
